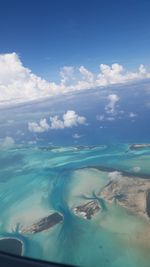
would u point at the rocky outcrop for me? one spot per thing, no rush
(87, 210)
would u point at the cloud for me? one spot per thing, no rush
(105, 118)
(110, 75)
(86, 74)
(110, 119)
(117, 74)
(40, 127)
(7, 142)
(100, 117)
(76, 136)
(18, 83)
(111, 106)
(32, 142)
(114, 175)
(66, 74)
(56, 123)
(69, 120)
(132, 115)
(110, 109)
(136, 169)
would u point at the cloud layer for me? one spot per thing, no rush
(19, 84)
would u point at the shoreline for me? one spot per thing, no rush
(123, 173)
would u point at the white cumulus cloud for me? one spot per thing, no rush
(111, 106)
(56, 123)
(69, 120)
(40, 127)
(86, 74)
(66, 74)
(19, 84)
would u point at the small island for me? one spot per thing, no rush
(87, 210)
(139, 146)
(43, 224)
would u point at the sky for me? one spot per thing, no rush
(54, 46)
(50, 34)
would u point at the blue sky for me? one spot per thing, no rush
(50, 34)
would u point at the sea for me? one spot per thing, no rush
(35, 181)
(60, 169)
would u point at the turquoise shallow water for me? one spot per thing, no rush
(35, 181)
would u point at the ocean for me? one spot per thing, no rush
(42, 179)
